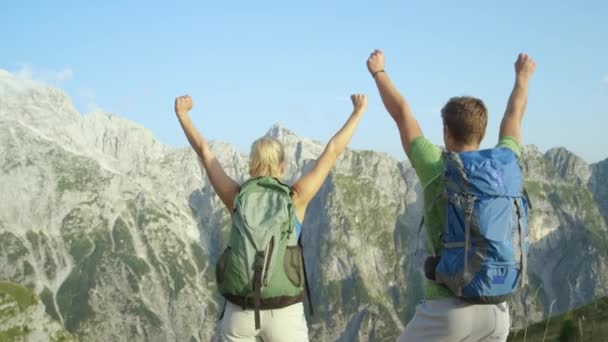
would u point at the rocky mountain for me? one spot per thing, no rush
(118, 234)
(23, 317)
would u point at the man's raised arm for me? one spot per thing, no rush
(514, 114)
(395, 104)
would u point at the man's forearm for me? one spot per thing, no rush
(395, 104)
(514, 114)
(518, 100)
(399, 109)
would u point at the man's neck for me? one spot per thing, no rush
(464, 148)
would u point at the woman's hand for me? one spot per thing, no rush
(183, 105)
(359, 102)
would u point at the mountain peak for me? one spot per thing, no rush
(279, 131)
(568, 165)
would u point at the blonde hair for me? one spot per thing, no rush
(267, 154)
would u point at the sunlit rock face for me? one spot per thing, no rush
(117, 234)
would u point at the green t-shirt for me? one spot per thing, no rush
(428, 162)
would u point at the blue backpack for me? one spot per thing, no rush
(485, 244)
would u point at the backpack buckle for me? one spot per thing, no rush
(258, 265)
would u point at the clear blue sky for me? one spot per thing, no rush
(249, 64)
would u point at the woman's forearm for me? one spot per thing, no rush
(341, 139)
(196, 140)
(307, 186)
(225, 186)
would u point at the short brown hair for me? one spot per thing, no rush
(466, 118)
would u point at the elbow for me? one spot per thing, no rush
(399, 112)
(333, 149)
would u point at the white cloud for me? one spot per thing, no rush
(25, 71)
(30, 75)
(605, 79)
(28, 71)
(63, 75)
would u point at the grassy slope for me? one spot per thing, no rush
(593, 321)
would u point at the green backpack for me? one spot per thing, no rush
(262, 267)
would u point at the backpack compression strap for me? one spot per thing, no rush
(257, 285)
(522, 246)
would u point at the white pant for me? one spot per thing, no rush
(287, 324)
(453, 320)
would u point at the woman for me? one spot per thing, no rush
(267, 160)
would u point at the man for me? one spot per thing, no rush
(442, 316)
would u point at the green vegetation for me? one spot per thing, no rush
(50, 267)
(33, 239)
(28, 269)
(21, 295)
(62, 336)
(389, 331)
(77, 230)
(47, 299)
(23, 298)
(592, 318)
(135, 263)
(123, 241)
(124, 249)
(76, 173)
(347, 294)
(41, 248)
(73, 295)
(12, 246)
(370, 215)
(80, 248)
(568, 332)
(94, 248)
(578, 199)
(581, 199)
(373, 223)
(140, 310)
(147, 215)
(175, 270)
(14, 334)
(200, 258)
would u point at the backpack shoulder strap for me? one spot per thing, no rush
(306, 285)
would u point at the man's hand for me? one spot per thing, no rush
(375, 62)
(183, 104)
(359, 102)
(524, 67)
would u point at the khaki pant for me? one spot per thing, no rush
(453, 320)
(287, 324)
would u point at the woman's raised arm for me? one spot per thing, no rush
(225, 187)
(306, 187)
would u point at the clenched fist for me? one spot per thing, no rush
(359, 102)
(183, 104)
(524, 67)
(375, 62)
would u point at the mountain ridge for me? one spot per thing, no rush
(103, 218)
